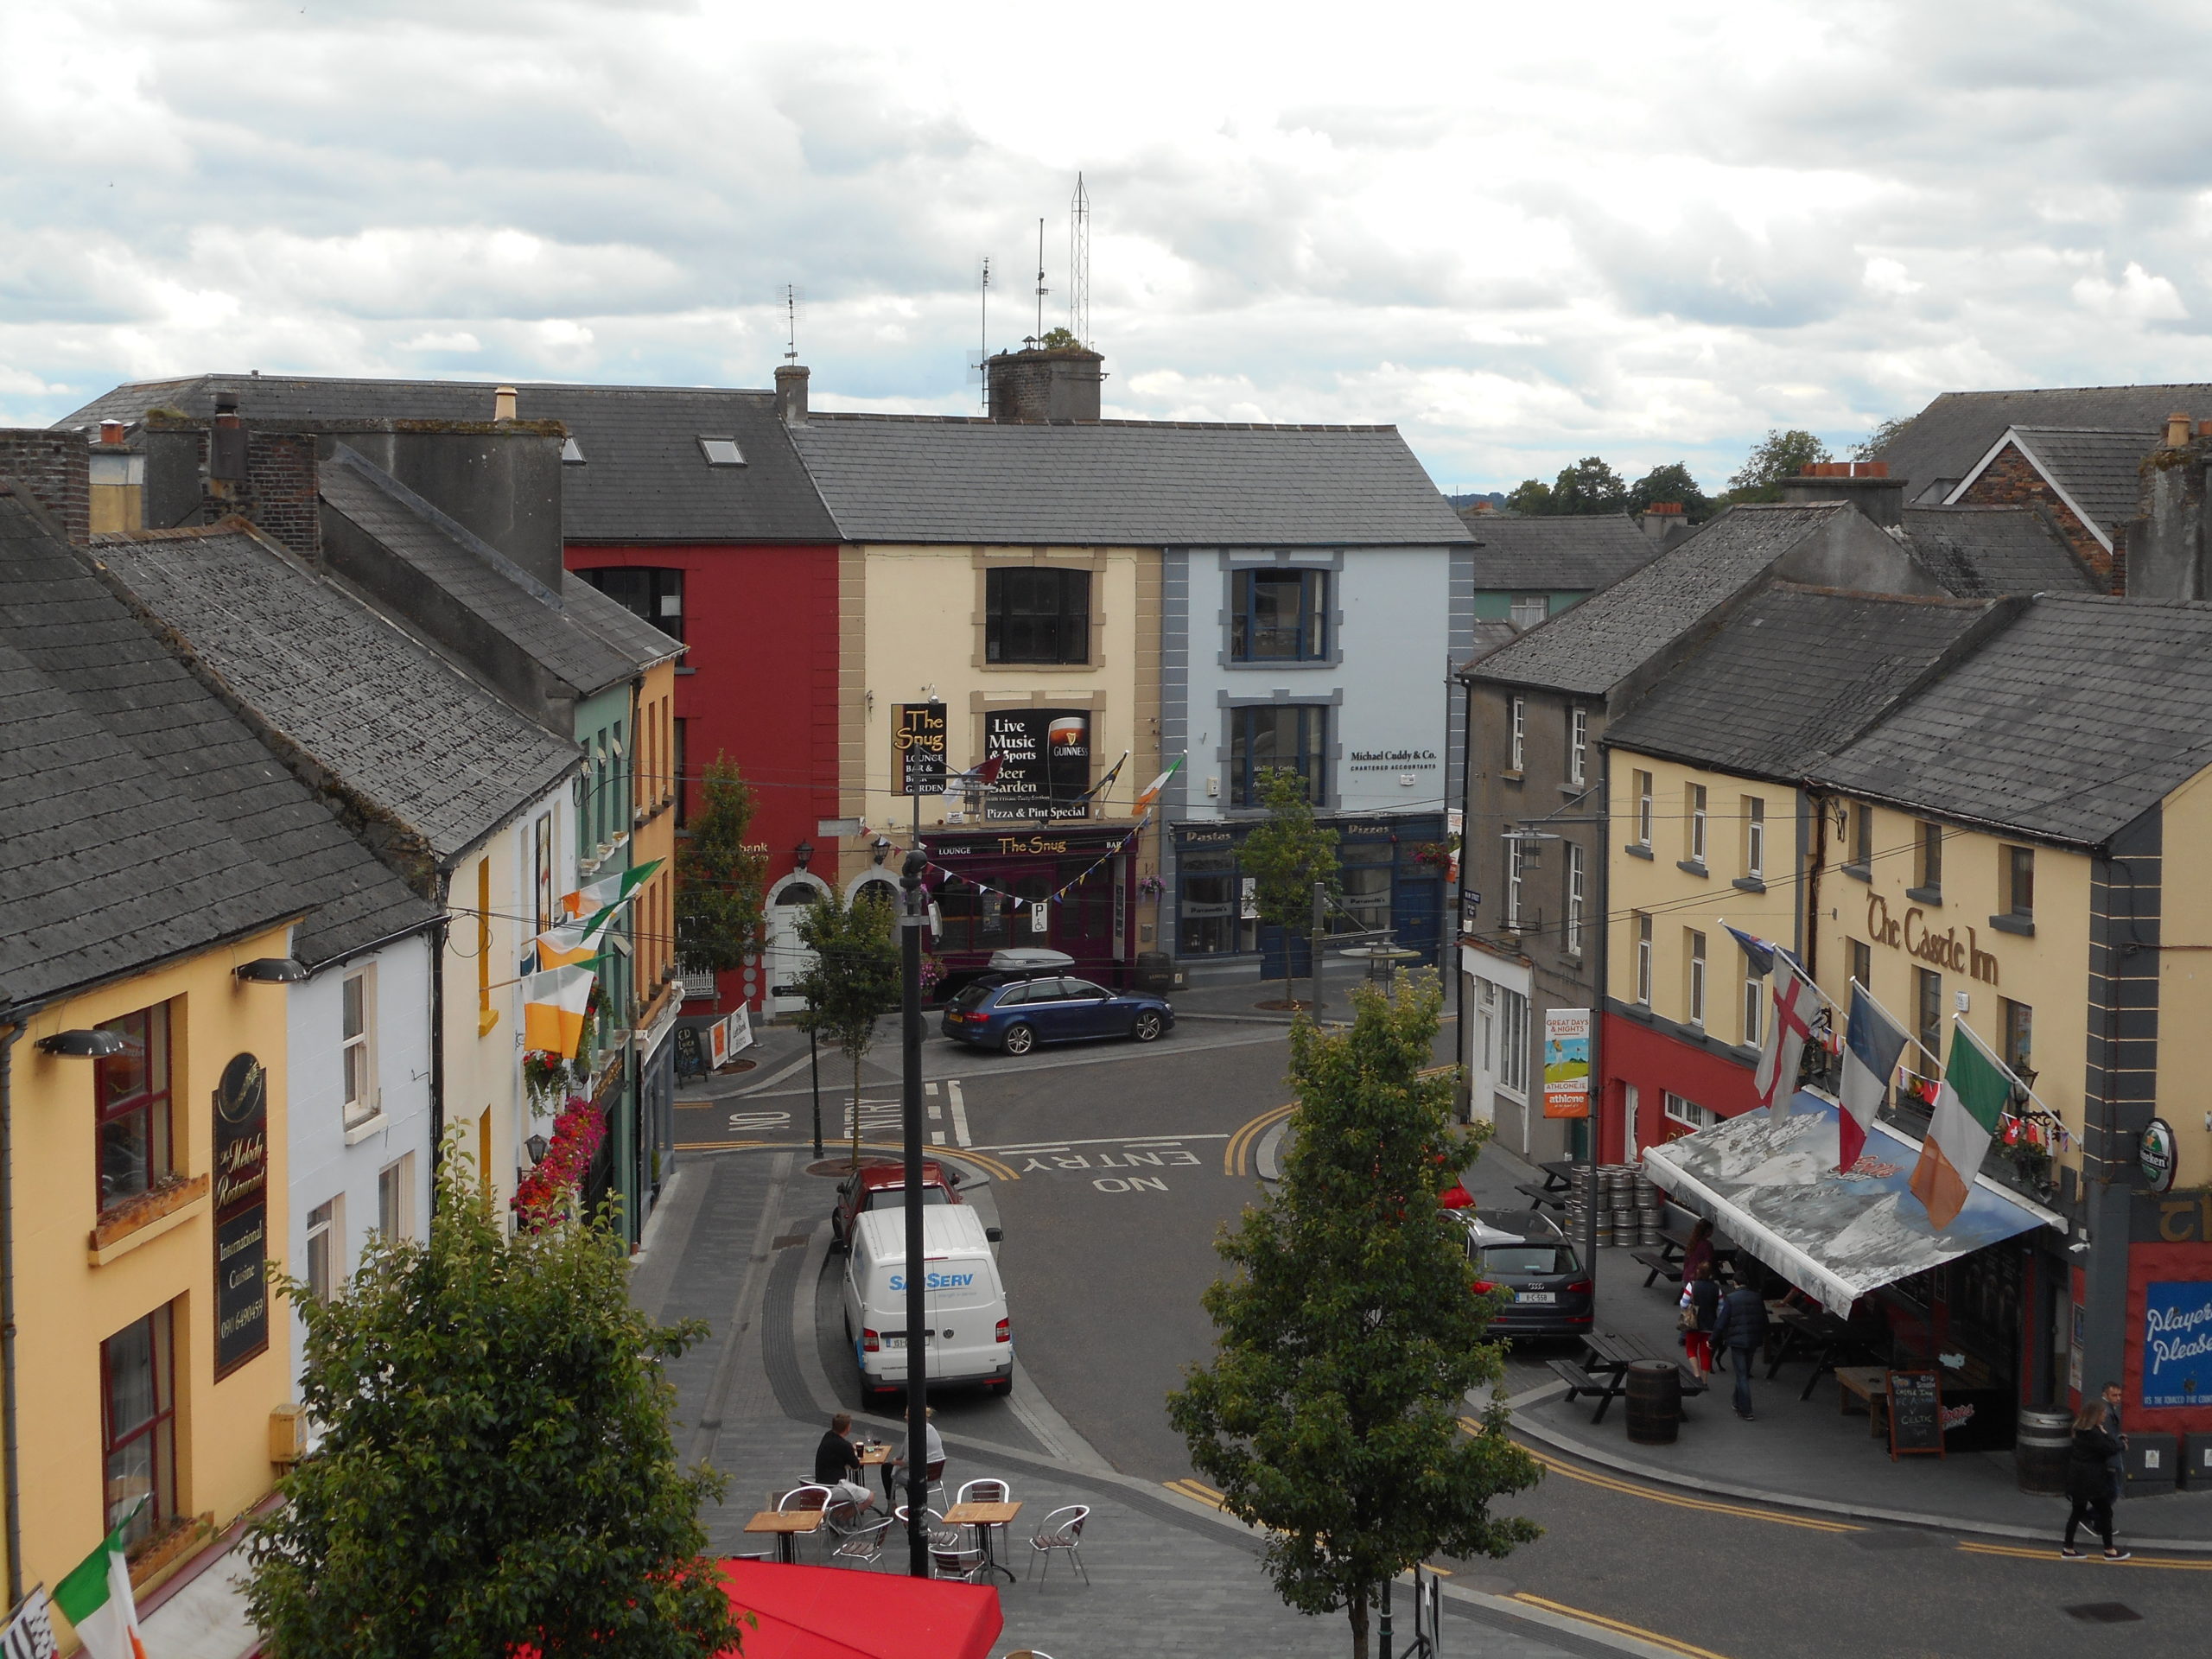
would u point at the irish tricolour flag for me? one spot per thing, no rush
(1969, 1109)
(586, 903)
(96, 1597)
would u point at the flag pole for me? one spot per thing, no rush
(1990, 1054)
(1935, 1060)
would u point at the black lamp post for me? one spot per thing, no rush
(913, 915)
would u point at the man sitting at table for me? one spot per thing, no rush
(932, 1453)
(835, 1459)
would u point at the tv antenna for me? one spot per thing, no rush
(984, 354)
(791, 323)
(1041, 290)
(1080, 264)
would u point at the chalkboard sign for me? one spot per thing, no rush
(1915, 1415)
(690, 1054)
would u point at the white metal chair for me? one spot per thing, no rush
(805, 1497)
(986, 1491)
(957, 1560)
(933, 1527)
(1061, 1529)
(865, 1544)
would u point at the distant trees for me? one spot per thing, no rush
(1870, 445)
(1775, 457)
(1591, 485)
(1285, 853)
(719, 873)
(1672, 482)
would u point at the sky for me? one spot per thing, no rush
(1523, 234)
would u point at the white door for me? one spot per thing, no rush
(787, 957)
(1483, 1095)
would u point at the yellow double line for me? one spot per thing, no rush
(1636, 1631)
(1652, 1495)
(1197, 1488)
(1236, 1156)
(2049, 1553)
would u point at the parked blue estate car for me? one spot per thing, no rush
(1017, 1012)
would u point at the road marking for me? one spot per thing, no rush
(1652, 1495)
(1636, 1631)
(929, 1088)
(1236, 1156)
(997, 1170)
(2050, 1553)
(936, 1137)
(1020, 1146)
(959, 1107)
(1197, 1488)
(758, 1121)
(1134, 1184)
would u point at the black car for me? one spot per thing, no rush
(1016, 1011)
(1524, 1252)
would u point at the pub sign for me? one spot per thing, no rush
(241, 1214)
(918, 741)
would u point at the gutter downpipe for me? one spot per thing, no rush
(1456, 923)
(14, 1528)
(439, 931)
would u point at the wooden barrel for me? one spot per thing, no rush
(1654, 1402)
(2041, 1447)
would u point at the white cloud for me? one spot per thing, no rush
(462, 340)
(2137, 297)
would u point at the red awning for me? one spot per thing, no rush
(827, 1612)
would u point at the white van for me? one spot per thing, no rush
(970, 1337)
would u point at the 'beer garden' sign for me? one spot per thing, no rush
(919, 742)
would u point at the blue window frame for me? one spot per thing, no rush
(1279, 616)
(1293, 735)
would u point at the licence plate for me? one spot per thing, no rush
(899, 1340)
(1535, 1296)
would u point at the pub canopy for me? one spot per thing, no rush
(1773, 1188)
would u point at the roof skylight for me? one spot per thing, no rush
(721, 452)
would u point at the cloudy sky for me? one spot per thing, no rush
(1523, 233)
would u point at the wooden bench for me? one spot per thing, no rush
(1539, 1198)
(1579, 1382)
(1661, 1267)
(1870, 1385)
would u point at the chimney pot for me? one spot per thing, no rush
(111, 431)
(2204, 429)
(2178, 430)
(503, 403)
(791, 393)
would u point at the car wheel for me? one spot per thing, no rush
(837, 1232)
(1148, 1026)
(1020, 1039)
(1003, 1389)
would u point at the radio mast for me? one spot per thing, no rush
(1080, 264)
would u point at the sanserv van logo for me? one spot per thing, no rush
(936, 1281)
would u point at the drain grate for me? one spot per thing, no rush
(786, 1241)
(2103, 1613)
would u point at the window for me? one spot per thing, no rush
(2018, 1035)
(324, 1242)
(137, 1425)
(396, 1197)
(1036, 614)
(1927, 867)
(356, 1054)
(682, 783)
(1693, 953)
(1928, 1017)
(1528, 610)
(1862, 962)
(1516, 733)
(1643, 811)
(1574, 898)
(1693, 807)
(1513, 1042)
(1578, 745)
(651, 594)
(1279, 616)
(1644, 960)
(132, 1092)
(1754, 1007)
(1285, 734)
(1363, 868)
(1515, 867)
(2020, 882)
(1688, 1113)
(541, 870)
(721, 452)
(1754, 837)
(572, 453)
(1862, 835)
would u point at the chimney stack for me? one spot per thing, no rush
(1057, 383)
(791, 393)
(112, 431)
(503, 403)
(1866, 485)
(1662, 519)
(2177, 430)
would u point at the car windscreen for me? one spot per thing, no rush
(971, 996)
(1527, 1258)
(895, 1197)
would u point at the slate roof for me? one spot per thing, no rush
(477, 575)
(643, 477)
(159, 822)
(1594, 645)
(417, 741)
(2066, 725)
(1941, 444)
(623, 629)
(891, 478)
(1978, 551)
(2099, 472)
(1558, 554)
(1797, 672)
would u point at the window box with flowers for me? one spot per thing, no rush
(1151, 888)
(550, 1192)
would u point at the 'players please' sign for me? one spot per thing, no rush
(917, 741)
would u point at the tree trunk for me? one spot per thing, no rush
(1358, 1611)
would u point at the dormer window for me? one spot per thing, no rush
(721, 452)
(572, 453)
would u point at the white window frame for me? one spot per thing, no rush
(1643, 960)
(1643, 811)
(1755, 838)
(1578, 745)
(357, 1089)
(1754, 1008)
(326, 1249)
(1513, 879)
(1527, 610)
(1574, 898)
(396, 1198)
(1697, 822)
(1513, 1044)
(1687, 1113)
(1518, 717)
(1695, 990)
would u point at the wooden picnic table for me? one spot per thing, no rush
(985, 1518)
(786, 1524)
(1603, 1375)
(1869, 1383)
(1811, 1331)
(1558, 1173)
(1541, 1197)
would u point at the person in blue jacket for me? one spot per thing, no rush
(1741, 1328)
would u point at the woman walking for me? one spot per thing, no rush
(1701, 1307)
(2088, 1480)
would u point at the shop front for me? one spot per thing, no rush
(1392, 871)
(1071, 888)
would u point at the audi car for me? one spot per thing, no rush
(1016, 1011)
(1524, 1253)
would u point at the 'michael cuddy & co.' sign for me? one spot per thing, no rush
(1915, 937)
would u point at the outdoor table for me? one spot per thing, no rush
(1541, 1197)
(1558, 1174)
(1866, 1383)
(1813, 1331)
(875, 1456)
(786, 1524)
(984, 1517)
(1611, 1352)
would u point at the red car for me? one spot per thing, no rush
(882, 1186)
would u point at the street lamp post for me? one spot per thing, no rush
(914, 914)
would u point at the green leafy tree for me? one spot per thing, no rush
(1588, 487)
(1059, 339)
(1870, 448)
(1530, 499)
(853, 979)
(495, 1468)
(1775, 457)
(1285, 855)
(719, 876)
(1671, 482)
(1350, 1331)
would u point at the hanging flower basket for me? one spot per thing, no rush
(1151, 887)
(1432, 853)
(550, 1192)
(932, 974)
